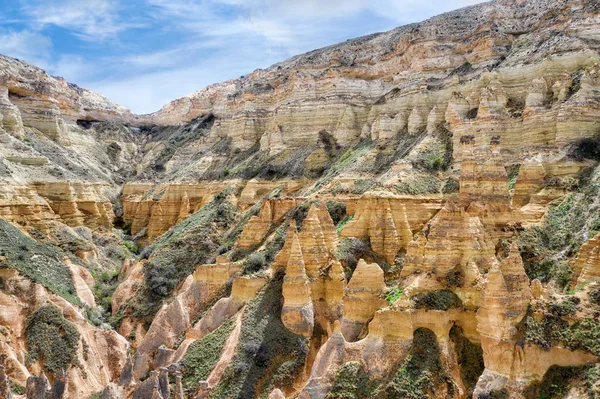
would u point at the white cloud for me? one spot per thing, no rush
(88, 19)
(28, 46)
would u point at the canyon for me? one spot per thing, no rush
(412, 213)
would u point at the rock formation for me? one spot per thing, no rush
(586, 267)
(387, 229)
(362, 298)
(297, 313)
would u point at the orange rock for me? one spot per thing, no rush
(363, 296)
(586, 267)
(297, 312)
(387, 229)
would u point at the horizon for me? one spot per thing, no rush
(144, 54)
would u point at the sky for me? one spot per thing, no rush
(145, 53)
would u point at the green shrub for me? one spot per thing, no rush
(394, 295)
(437, 300)
(594, 296)
(268, 355)
(418, 184)
(361, 186)
(132, 247)
(451, 186)
(337, 211)
(203, 354)
(556, 383)
(469, 358)
(51, 339)
(351, 382)
(513, 173)
(16, 388)
(351, 250)
(40, 262)
(254, 263)
(340, 226)
(420, 374)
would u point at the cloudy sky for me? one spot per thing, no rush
(145, 53)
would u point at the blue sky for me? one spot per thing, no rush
(144, 53)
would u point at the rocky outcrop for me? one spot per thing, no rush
(453, 242)
(363, 296)
(157, 208)
(101, 353)
(369, 211)
(297, 313)
(271, 213)
(30, 97)
(5, 390)
(586, 267)
(387, 228)
(174, 318)
(42, 204)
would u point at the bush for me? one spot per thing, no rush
(451, 186)
(351, 250)
(420, 374)
(255, 263)
(351, 381)
(394, 295)
(337, 210)
(132, 247)
(594, 296)
(437, 300)
(51, 339)
(203, 355)
(418, 184)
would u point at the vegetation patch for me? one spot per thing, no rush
(567, 225)
(17, 389)
(421, 374)
(40, 262)
(418, 184)
(394, 295)
(347, 161)
(547, 327)
(469, 357)
(437, 300)
(268, 355)
(203, 355)
(105, 286)
(513, 173)
(351, 382)
(337, 211)
(451, 186)
(262, 259)
(51, 339)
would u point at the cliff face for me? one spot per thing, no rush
(408, 214)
